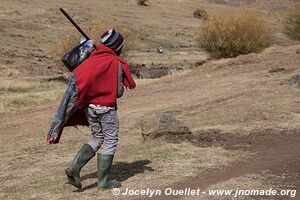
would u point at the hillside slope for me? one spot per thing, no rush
(237, 99)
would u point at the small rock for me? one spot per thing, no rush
(298, 51)
(149, 73)
(295, 81)
(200, 63)
(184, 46)
(160, 49)
(10, 61)
(17, 35)
(277, 69)
(159, 124)
(142, 2)
(200, 14)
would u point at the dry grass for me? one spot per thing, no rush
(94, 31)
(26, 86)
(229, 35)
(293, 23)
(22, 95)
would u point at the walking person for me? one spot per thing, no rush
(100, 80)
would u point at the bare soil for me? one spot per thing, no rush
(276, 152)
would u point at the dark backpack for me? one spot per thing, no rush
(76, 55)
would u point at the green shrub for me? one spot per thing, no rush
(232, 34)
(293, 23)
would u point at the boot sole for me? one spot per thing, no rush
(111, 185)
(71, 179)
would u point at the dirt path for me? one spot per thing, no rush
(278, 153)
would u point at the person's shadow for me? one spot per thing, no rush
(120, 171)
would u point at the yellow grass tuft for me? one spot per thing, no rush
(239, 32)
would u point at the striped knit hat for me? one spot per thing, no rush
(113, 39)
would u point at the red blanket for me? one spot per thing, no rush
(96, 78)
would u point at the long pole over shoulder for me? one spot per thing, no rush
(75, 24)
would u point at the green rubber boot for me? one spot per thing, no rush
(82, 157)
(104, 165)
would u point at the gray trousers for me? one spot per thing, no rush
(104, 126)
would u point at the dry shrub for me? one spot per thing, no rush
(293, 23)
(94, 31)
(239, 32)
(200, 13)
